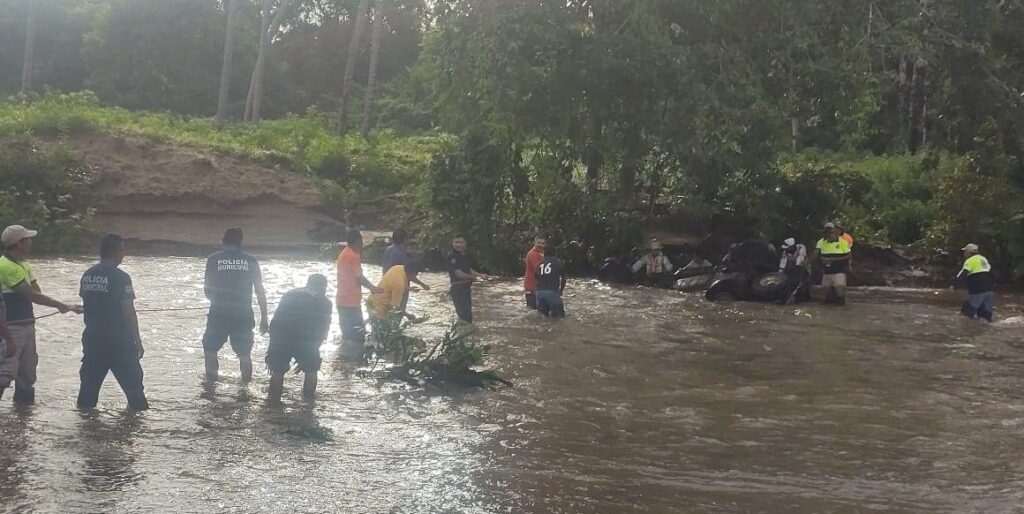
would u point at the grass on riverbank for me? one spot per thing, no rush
(352, 168)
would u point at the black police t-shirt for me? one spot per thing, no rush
(302, 316)
(549, 274)
(461, 262)
(230, 275)
(103, 289)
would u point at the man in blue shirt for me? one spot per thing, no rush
(231, 278)
(111, 341)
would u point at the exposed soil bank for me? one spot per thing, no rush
(172, 199)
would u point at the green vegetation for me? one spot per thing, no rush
(450, 360)
(586, 121)
(48, 188)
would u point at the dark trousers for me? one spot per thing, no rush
(462, 297)
(126, 369)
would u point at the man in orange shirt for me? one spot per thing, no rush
(533, 258)
(350, 289)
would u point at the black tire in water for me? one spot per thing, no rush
(770, 285)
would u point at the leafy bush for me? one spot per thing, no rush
(48, 188)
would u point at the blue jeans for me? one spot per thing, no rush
(979, 305)
(351, 320)
(549, 303)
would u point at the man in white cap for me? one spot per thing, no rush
(980, 295)
(655, 265)
(20, 290)
(796, 266)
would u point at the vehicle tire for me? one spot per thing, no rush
(769, 285)
(723, 296)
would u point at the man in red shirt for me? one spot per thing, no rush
(350, 289)
(533, 258)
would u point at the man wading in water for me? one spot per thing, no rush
(462, 276)
(835, 255)
(231, 277)
(111, 341)
(350, 290)
(20, 291)
(533, 258)
(300, 324)
(980, 295)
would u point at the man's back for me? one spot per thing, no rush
(103, 288)
(302, 315)
(230, 275)
(549, 275)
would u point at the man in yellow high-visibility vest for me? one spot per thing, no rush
(834, 255)
(980, 294)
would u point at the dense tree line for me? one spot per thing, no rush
(595, 119)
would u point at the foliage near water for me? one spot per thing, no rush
(46, 188)
(451, 360)
(589, 122)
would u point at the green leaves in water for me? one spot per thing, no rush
(448, 361)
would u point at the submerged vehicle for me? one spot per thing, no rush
(695, 276)
(751, 273)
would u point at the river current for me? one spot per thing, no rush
(641, 401)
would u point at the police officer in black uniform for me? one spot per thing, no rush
(231, 277)
(462, 275)
(111, 341)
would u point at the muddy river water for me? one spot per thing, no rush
(640, 401)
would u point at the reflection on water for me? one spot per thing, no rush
(641, 401)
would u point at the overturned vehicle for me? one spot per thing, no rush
(750, 272)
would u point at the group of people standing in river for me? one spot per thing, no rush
(112, 342)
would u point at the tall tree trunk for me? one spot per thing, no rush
(225, 69)
(30, 46)
(350, 64)
(919, 96)
(371, 84)
(257, 71)
(271, 24)
(906, 103)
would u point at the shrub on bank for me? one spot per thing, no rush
(48, 188)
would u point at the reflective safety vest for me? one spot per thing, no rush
(848, 238)
(977, 264)
(840, 247)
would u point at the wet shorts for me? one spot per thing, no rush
(283, 349)
(220, 328)
(549, 303)
(833, 280)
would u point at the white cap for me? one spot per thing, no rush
(15, 233)
(830, 225)
(789, 243)
(970, 248)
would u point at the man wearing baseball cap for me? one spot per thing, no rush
(20, 290)
(834, 254)
(980, 295)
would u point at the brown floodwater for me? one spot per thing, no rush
(641, 401)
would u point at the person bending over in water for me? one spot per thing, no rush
(300, 324)
(393, 289)
(111, 341)
(550, 285)
(980, 295)
(231, 277)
